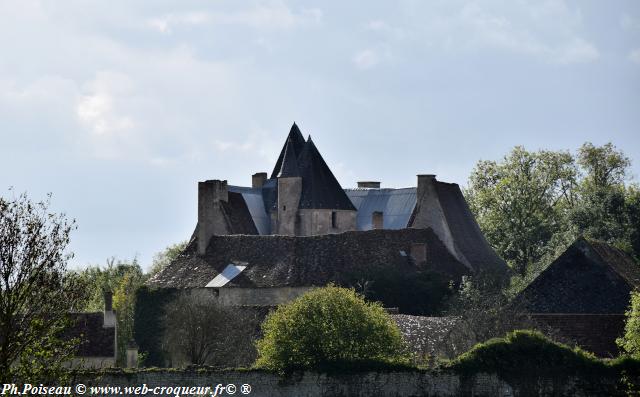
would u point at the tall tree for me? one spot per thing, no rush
(607, 209)
(522, 201)
(36, 291)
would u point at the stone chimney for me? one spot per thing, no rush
(289, 192)
(258, 179)
(211, 219)
(369, 184)
(132, 354)
(109, 320)
(425, 183)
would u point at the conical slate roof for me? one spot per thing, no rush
(289, 167)
(320, 189)
(297, 142)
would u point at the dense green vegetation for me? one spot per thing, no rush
(532, 205)
(329, 328)
(630, 341)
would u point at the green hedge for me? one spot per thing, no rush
(523, 357)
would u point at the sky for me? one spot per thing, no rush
(119, 108)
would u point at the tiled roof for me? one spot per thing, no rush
(287, 261)
(589, 277)
(95, 340)
(320, 189)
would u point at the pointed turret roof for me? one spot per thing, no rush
(289, 167)
(320, 189)
(297, 142)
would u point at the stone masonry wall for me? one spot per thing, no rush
(416, 383)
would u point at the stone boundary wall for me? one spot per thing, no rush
(405, 383)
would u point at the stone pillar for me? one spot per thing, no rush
(132, 354)
(258, 179)
(210, 216)
(289, 192)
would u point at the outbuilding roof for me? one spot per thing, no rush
(589, 277)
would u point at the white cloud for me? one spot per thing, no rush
(634, 56)
(627, 22)
(546, 30)
(577, 51)
(366, 59)
(274, 15)
(166, 23)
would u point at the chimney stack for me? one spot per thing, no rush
(369, 184)
(258, 179)
(210, 217)
(109, 320)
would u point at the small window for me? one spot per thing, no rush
(284, 207)
(377, 221)
(334, 219)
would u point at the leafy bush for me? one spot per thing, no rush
(329, 328)
(630, 342)
(524, 351)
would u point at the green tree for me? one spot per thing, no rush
(607, 209)
(328, 327)
(521, 203)
(36, 291)
(630, 342)
(124, 300)
(122, 278)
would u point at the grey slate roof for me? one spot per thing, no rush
(466, 233)
(95, 341)
(287, 261)
(320, 189)
(589, 277)
(397, 205)
(297, 140)
(255, 205)
(289, 166)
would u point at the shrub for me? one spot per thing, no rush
(526, 353)
(329, 328)
(630, 342)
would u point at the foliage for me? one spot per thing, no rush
(531, 205)
(608, 210)
(327, 328)
(630, 342)
(122, 279)
(198, 330)
(36, 291)
(124, 299)
(520, 202)
(149, 312)
(163, 258)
